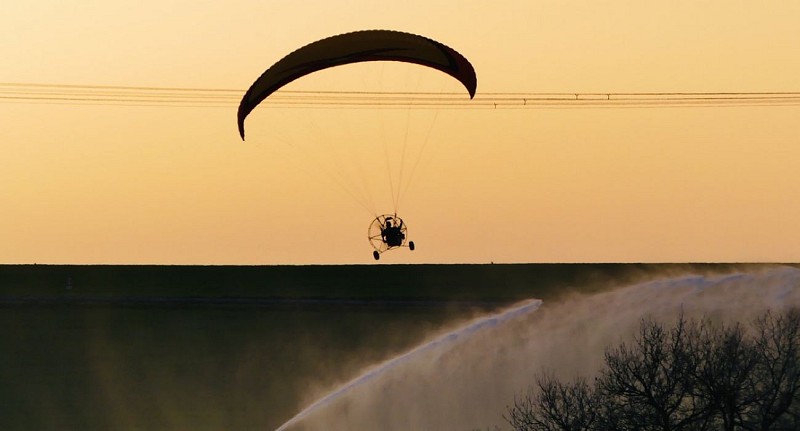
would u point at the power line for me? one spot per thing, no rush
(72, 94)
(108, 87)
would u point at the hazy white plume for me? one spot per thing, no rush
(466, 378)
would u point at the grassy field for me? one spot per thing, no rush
(179, 368)
(235, 347)
(491, 283)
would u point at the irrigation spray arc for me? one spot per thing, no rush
(466, 378)
(440, 342)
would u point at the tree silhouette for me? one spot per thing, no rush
(644, 385)
(556, 407)
(775, 382)
(692, 376)
(723, 361)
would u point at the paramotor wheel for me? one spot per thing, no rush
(411, 245)
(376, 255)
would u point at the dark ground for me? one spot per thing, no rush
(236, 347)
(482, 283)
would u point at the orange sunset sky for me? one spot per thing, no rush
(109, 182)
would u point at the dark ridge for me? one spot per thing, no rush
(350, 284)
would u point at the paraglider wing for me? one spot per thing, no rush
(360, 46)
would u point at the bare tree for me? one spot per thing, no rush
(555, 407)
(695, 376)
(646, 385)
(775, 382)
(723, 361)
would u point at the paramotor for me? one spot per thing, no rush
(386, 231)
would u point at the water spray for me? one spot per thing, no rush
(465, 379)
(449, 339)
